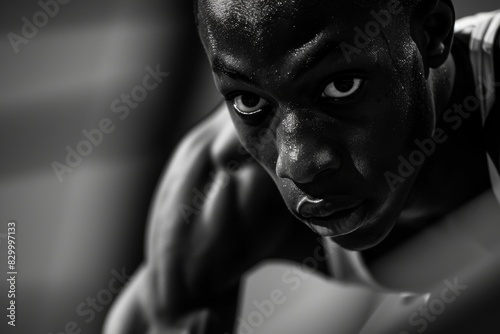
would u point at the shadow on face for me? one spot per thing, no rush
(326, 95)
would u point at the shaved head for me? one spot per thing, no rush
(264, 24)
(258, 10)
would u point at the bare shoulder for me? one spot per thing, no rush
(209, 160)
(212, 144)
(208, 176)
(216, 214)
(217, 136)
(174, 275)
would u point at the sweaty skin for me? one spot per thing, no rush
(322, 148)
(195, 260)
(290, 156)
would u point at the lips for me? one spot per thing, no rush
(327, 207)
(331, 217)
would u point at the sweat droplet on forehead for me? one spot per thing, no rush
(254, 12)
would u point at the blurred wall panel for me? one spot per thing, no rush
(74, 236)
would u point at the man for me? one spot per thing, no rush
(367, 117)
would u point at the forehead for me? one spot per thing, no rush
(264, 31)
(256, 18)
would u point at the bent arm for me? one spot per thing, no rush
(202, 237)
(217, 213)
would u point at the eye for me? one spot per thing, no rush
(248, 103)
(342, 88)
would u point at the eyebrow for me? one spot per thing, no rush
(321, 48)
(219, 66)
(317, 54)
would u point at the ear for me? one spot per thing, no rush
(433, 29)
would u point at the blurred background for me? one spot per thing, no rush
(85, 228)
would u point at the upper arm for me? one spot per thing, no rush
(186, 190)
(194, 219)
(168, 289)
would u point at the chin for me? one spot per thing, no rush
(358, 243)
(370, 234)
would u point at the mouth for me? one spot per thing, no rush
(338, 215)
(323, 208)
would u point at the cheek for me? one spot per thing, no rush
(401, 114)
(259, 141)
(412, 92)
(376, 149)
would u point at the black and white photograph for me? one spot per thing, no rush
(250, 167)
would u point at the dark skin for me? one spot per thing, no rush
(305, 138)
(334, 148)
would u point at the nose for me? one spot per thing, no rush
(303, 160)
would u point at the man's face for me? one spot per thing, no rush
(325, 123)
